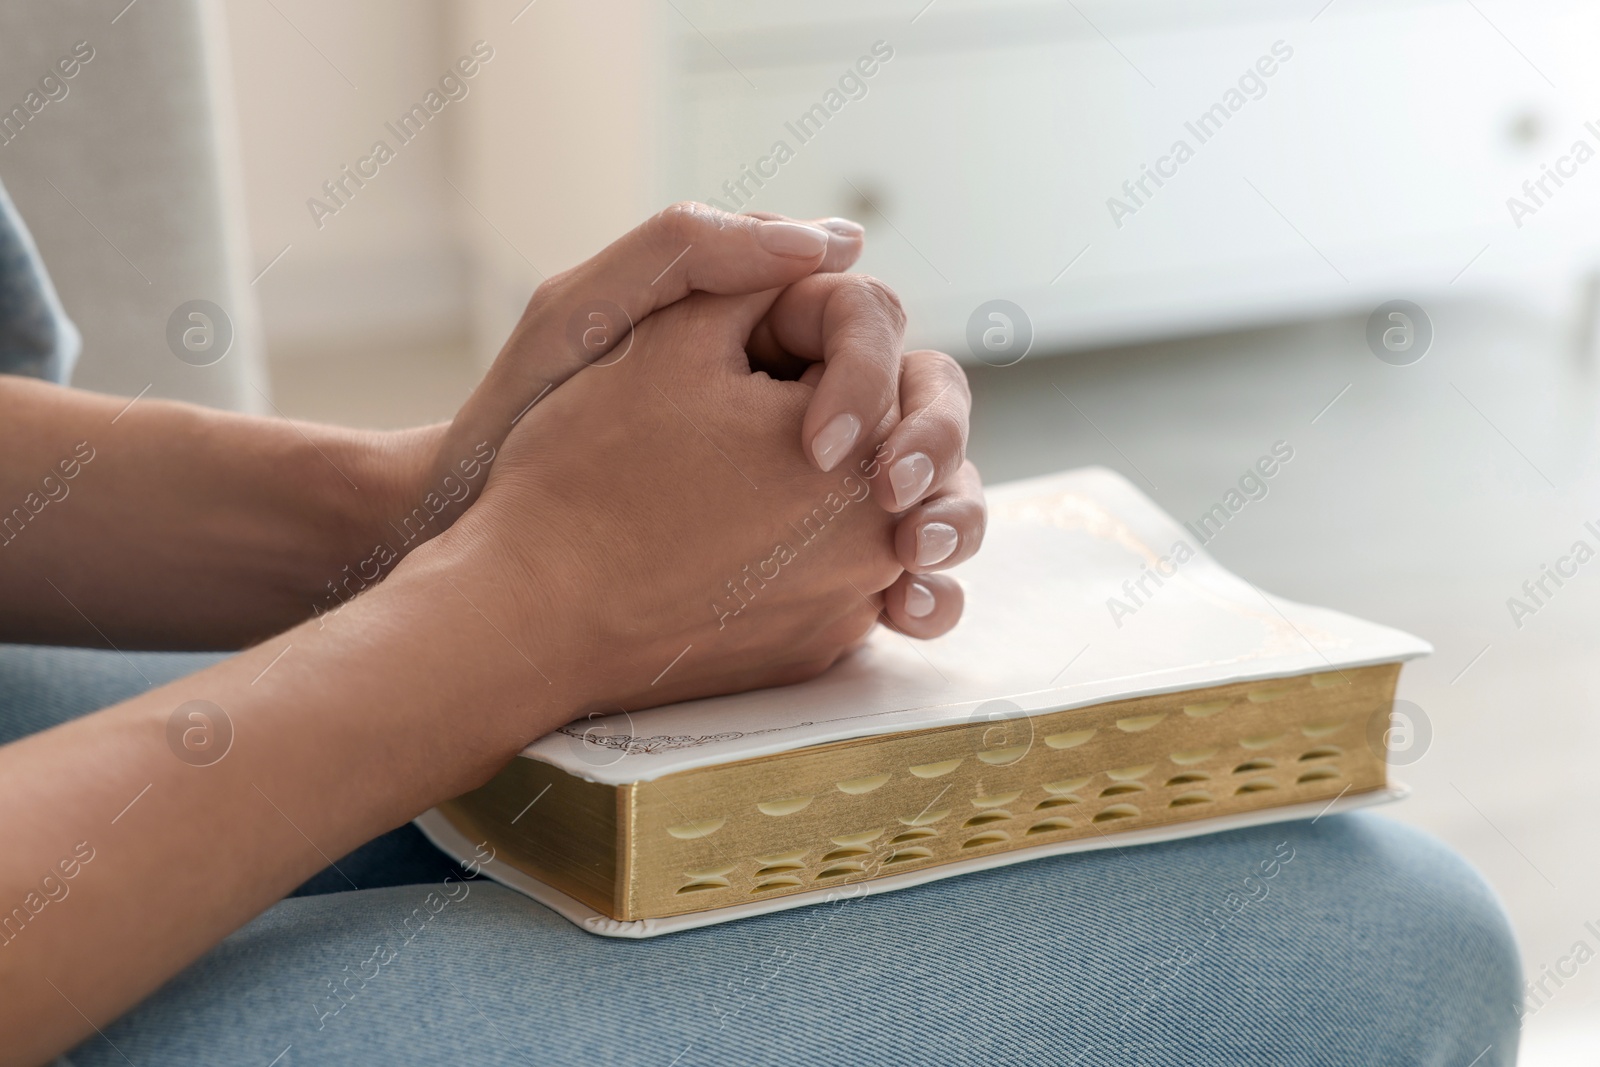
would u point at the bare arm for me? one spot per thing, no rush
(163, 525)
(128, 858)
(124, 862)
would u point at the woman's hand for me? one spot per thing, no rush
(584, 316)
(654, 534)
(824, 321)
(848, 330)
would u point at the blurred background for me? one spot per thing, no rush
(1164, 235)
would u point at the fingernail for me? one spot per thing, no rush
(835, 440)
(844, 227)
(792, 239)
(919, 600)
(935, 542)
(911, 475)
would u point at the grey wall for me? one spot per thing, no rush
(129, 183)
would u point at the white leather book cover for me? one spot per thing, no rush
(1084, 592)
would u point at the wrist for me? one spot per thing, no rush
(425, 479)
(395, 466)
(352, 486)
(518, 631)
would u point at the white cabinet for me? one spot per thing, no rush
(1328, 163)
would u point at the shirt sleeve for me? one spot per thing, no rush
(36, 337)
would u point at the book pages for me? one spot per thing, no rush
(443, 834)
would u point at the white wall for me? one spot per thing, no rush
(552, 146)
(564, 147)
(128, 184)
(316, 83)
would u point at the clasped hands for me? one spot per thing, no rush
(730, 495)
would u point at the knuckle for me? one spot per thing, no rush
(795, 673)
(940, 433)
(824, 665)
(873, 292)
(940, 375)
(552, 290)
(552, 301)
(851, 627)
(861, 624)
(680, 222)
(883, 571)
(946, 368)
(816, 665)
(975, 522)
(973, 517)
(945, 433)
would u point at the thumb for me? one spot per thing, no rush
(580, 316)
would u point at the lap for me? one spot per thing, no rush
(43, 686)
(1373, 945)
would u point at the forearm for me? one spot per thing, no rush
(164, 525)
(403, 700)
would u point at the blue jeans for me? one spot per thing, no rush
(1368, 943)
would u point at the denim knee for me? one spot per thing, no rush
(1352, 940)
(1445, 975)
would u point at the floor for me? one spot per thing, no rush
(1421, 496)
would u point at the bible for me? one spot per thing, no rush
(1110, 684)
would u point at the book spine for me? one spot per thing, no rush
(625, 893)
